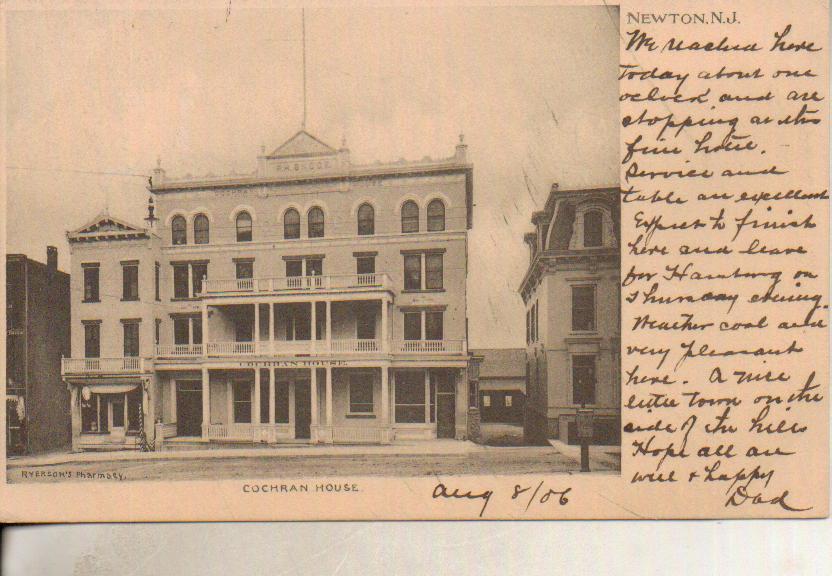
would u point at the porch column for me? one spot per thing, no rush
(75, 415)
(328, 326)
(314, 327)
(329, 396)
(385, 403)
(271, 332)
(427, 396)
(272, 382)
(257, 328)
(313, 393)
(385, 344)
(204, 329)
(206, 403)
(190, 281)
(255, 418)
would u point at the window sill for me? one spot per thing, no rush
(129, 299)
(185, 299)
(354, 415)
(422, 291)
(90, 301)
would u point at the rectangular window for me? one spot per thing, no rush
(242, 401)
(199, 272)
(180, 281)
(181, 330)
(264, 395)
(508, 399)
(157, 332)
(281, 402)
(131, 339)
(294, 268)
(365, 265)
(94, 419)
(320, 320)
(412, 271)
(117, 407)
(244, 270)
(433, 271)
(157, 275)
(92, 340)
(314, 267)
(365, 320)
(361, 393)
(532, 328)
(130, 282)
(528, 327)
(583, 308)
(91, 275)
(412, 325)
(583, 379)
(410, 397)
(433, 326)
(196, 329)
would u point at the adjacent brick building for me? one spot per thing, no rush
(37, 336)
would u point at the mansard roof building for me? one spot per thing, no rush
(312, 300)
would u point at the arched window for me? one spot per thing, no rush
(291, 224)
(316, 223)
(366, 220)
(436, 216)
(593, 234)
(410, 217)
(243, 227)
(201, 229)
(179, 231)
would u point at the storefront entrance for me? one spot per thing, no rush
(303, 409)
(445, 415)
(188, 408)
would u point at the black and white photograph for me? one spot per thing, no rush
(298, 242)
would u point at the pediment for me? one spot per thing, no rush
(301, 145)
(104, 225)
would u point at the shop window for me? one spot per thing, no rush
(361, 393)
(410, 397)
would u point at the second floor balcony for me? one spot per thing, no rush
(337, 282)
(97, 366)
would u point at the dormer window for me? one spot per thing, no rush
(593, 229)
(201, 229)
(243, 227)
(179, 231)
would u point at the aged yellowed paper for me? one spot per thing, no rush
(464, 262)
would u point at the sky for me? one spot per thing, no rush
(93, 97)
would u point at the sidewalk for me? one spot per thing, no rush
(421, 448)
(600, 457)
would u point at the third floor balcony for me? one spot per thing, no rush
(288, 284)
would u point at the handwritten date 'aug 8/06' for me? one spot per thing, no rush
(529, 495)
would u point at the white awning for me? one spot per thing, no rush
(112, 388)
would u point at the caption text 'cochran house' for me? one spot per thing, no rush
(314, 300)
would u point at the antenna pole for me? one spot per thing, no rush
(303, 26)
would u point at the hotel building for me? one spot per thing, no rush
(313, 300)
(571, 292)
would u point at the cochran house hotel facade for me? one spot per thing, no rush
(37, 337)
(571, 293)
(311, 301)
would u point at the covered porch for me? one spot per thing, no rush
(109, 413)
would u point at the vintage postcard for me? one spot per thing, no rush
(269, 262)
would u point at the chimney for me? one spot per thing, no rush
(51, 259)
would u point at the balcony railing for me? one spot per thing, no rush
(430, 346)
(128, 365)
(178, 350)
(355, 346)
(293, 283)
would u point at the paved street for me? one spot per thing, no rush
(477, 460)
